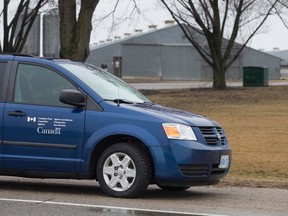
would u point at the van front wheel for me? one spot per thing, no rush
(123, 170)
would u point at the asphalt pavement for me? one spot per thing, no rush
(21, 196)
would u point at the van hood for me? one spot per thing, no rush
(177, 116)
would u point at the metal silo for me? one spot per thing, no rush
(51, 39)
(32, 45)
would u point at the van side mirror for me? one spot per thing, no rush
(72, 97)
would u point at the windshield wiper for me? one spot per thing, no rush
(145, 103)
(118, 101)
(125, 101)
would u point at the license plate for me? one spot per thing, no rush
(224, 162)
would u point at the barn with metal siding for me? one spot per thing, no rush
(166, 54)
(283, 54)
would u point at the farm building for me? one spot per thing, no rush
(47, 26)
(32, 45)
(51, 38)
(283, 54)
(166, 54)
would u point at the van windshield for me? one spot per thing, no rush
(106, 85)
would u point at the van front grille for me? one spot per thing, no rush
(213, 135)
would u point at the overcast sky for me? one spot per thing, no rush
(273, 35)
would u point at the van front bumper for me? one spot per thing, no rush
(190, 163)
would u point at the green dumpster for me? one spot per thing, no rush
(255, 76)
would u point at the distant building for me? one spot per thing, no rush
(283, 55)
(32, 45)
(51, 37)
(166, 54)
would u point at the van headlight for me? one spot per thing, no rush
(178, 131)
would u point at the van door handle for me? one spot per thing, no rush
(17, 113)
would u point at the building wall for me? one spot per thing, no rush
(283, 55)
(253, 57)
(284, 71)
(104, 55)
(180, 63)
(141, 61)
(152, 61)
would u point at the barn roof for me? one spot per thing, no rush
(283, 54)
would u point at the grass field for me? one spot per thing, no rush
(255, 121)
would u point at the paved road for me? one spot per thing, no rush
(192, 84)
(19, 196)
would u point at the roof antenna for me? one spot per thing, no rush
(118, 102)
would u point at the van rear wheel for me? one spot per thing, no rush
(123, 170)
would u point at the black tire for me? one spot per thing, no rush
(123, 171)
(174, 188)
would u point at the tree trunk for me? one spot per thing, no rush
(75, 33)
(67, 15)
(219, 81)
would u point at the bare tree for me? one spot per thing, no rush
(213, 26)
(17, 30)
(282, 12)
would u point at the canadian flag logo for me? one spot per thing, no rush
(31, 119)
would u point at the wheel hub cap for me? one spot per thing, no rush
(119, 171)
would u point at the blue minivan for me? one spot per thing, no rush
(65, 119)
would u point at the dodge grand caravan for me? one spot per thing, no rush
(64, 119)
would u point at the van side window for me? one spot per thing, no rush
(2, 72)
(39, 85)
